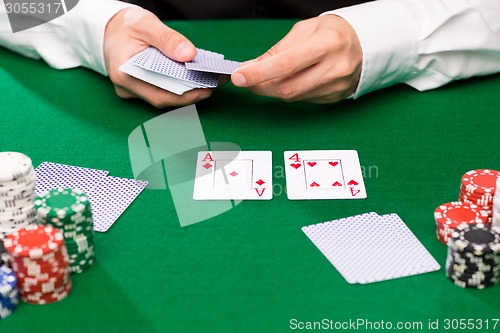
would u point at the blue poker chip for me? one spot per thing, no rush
(8, 281)
(6, 311)
(9, 303)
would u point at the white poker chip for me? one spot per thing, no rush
(14, 165)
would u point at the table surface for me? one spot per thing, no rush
(251, 269)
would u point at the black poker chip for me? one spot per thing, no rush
(471, 283)
(4, 256)
(479, 239)
(465, 270)
(473, 259)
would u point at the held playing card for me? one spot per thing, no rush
(213, 65)
(242, 175)
(323, 174)
(153, 60)
(156, 79)
(152, 66)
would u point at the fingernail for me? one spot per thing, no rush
(239, 80)
(183, 50)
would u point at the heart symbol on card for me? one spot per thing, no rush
(333, 163)
(314, 184)
(295, 165)
(311, 164)
(353, 182)
(336, 184)
(40, 12)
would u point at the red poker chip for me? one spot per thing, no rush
(480, 181)
(444, 231)
(41, 298)
(44, 286)
(35, 271)
(26, 267)
(483, 200)
(57, 259)
(487, 209)
(48, 257)
(33, 241)
(62, 273)
(457, 212)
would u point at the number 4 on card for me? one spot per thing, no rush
(323, 174)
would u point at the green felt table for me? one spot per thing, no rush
(251, 269)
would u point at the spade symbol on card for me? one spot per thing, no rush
(295, 165)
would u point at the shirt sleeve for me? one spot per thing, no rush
(424, 43)
(71, 40)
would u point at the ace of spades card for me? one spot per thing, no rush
(323, 174)
(239, 175)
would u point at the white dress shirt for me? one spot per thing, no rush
(423, 43)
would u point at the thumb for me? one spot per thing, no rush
(170, 42)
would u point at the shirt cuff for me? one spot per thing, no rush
(86, 25)
(389, 40)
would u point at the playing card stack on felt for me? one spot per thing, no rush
(152, 66)
(108, 196)
(370, 247)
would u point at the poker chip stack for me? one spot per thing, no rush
(450, 215)
(474, 256)
(9, 293)
(69, 210)
(496, 205)
(478, 187)
(17, 192)
(40, 262)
